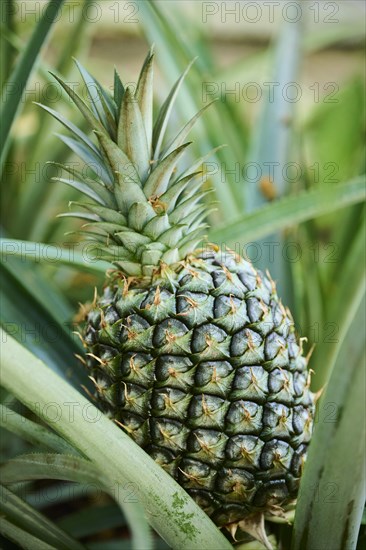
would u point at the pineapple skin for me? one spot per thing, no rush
(207, 376)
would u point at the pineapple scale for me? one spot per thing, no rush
(209, 378)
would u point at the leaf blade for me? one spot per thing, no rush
(335, 524)
(34, 522)
(291, 210)
(22, 73)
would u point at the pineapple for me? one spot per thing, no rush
(191, 350)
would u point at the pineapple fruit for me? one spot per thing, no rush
(191, 350)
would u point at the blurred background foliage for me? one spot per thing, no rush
(289, 90)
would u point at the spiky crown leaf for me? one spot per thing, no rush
(143, 214)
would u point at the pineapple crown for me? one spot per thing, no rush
(143, 215)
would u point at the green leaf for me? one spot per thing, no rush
(330, 503)
(139, 214)
(180, 521)
(180, 138)
(40, 321)
(87, 155)
(93, 89)
(289, 211)
(32, 432)
(180, 188)
(7, 13)
(175, 50)
(49, 466)
(273, 132)
(21, 537)
(158, 180)
(107, 214)
(270, 151)
(343, 297)
(90, 116)
(197, 164)
(35, 523)
(63, 467)
(83, 188)
(97, 187)
(80, 215)
(144, 96)
(37, 201)
(128, 186)
(21, 73)
(118, 90)
(110, 111)
(70, 126)
(41, 252)
(118, 544)
(164, 114)
(132, 134)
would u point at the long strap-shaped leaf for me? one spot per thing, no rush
(92, 88)
(63, 467)
(270, 148)
(342, 304)
(132, 135)
(174, 54)
(274, 130)
(70, 126)
(48, 466)
(164, 113)
(100, 188)
(158, 181)
(118, 91)
(33, 432)
(332, 492)
(42, 312)
(82, 106)
(144, 96)
(21, 537)
(21, 73)
(179, 139)
(128, 190)
(15, 509)
(88, 156)
(290, 211)
(80, 259)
